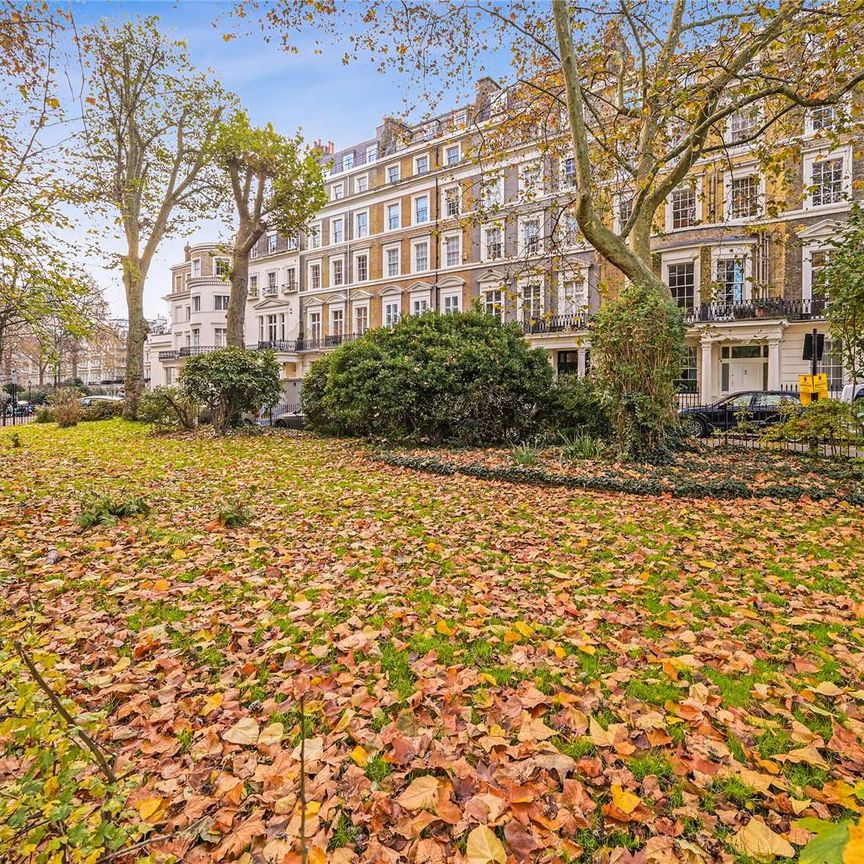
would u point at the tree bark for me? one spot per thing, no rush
(133, 283)
(239, 290)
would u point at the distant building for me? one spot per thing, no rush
(98, 360)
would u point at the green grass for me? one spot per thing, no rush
(521, 577)
(648, 764)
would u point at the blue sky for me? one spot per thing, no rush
(315, 93)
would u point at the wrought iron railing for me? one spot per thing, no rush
(332, 341)
(718, 310)
(768, 307)
(187, 351)
(556, 323)
(286, 345)
(314, 344)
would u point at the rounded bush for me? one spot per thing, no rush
(231, 382)
(579, 408)
(465, 378)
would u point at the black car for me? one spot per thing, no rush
(761, 407)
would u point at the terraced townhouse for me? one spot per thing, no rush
(417, 221)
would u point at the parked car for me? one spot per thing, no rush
(87, 401)
(20, 409)
(761, 407)
(289, 420)
(852, 393)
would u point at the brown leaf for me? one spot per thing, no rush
(244, 731)
(421, 793)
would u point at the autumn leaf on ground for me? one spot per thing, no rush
(757, 840)
(421, 793)
(244, 731)
(484, 847)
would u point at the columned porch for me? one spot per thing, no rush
(737, 357)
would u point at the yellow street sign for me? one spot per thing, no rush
(813, 385)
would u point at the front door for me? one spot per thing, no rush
(743, 367)
(745, 375)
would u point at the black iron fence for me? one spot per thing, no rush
(846, 446)
(744, 428)
(688, 398)
(16, 417)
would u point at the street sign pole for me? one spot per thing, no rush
(813, 366)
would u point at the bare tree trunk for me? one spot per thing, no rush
(239, 282)
(133, 282)
(640, 243)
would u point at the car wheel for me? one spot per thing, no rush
(694, 426)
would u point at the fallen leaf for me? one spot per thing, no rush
(421, 793)
(359, 755)
(759, 841)
(484, 847)
(271, 734)
(244, 731)
(624, 800)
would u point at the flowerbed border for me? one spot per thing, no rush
(721, 489)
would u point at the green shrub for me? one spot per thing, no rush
(579, 407)
(637, 348)
(102, 411)
(524, 454)
(168, 409)
(43, 415)
(104, 510)
(234, 515)
(232, 382)
(66, 407)
(582, 445)
(313, 400)
(466, 378)
(828, 423)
